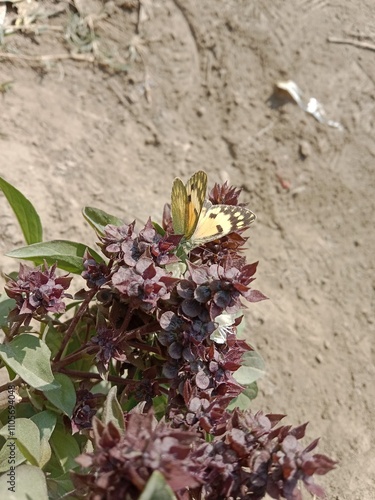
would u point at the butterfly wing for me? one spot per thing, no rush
(187, 202)
(217, 221)
(196, 192)
(197, 219)
(179, 206)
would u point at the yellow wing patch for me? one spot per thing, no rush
(197, 219)
(178, 206)
(187, 202)
(217, 221)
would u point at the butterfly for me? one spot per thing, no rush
(197, 218)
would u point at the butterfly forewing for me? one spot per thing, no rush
(186, 203)
(217, 221)
(179, 206)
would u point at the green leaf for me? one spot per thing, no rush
(98, 219)
(158, 228)
(67, 254)
(6, 305)
(60, 486)
(26, 437)
(52, 338)
(157, 488)
(243, 401)
(63, 397)
(160, 404)
(30, 484)
(26, 214)
(65, 449)
(46, 422)
(29, 357)
(37, 400)
(252, 368)
(10, 456)
(112, 410)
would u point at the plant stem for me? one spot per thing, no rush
(75, 356)
(14, 330)
(128, 316)
(15, 382)
(73, 324)
(143, 347)
(142, 330)
(90, 375)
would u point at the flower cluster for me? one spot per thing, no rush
(216, 289)
(37, 292)
(121, 465)
(120, 243)
(247, 459)
(152, 288)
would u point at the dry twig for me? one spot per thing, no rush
(47, 57)
(355, 43)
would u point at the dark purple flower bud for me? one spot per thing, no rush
(95, 274)
(85, 408)
(224, 194)
(109, 344)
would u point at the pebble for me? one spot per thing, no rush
(319, 358)
(201, 111)
(304, 149)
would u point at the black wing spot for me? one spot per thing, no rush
(219, 229)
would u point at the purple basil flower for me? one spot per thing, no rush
(144, 284)
(37, 291)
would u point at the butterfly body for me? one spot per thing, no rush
(198, 219)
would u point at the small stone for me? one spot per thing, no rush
(201, 111)
(304, 149)
(319, 358)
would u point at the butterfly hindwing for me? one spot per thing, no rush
(217, 221)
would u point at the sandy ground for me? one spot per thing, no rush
(182, 85)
